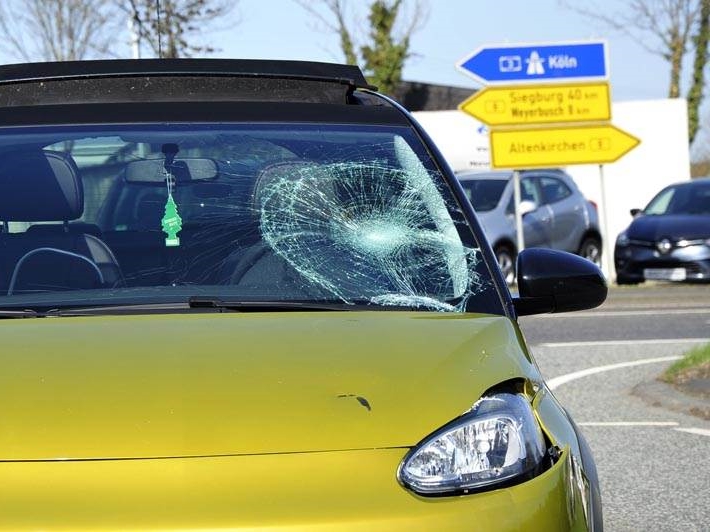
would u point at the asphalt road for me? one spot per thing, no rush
(652, 461)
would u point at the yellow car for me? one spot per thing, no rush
(252, 295)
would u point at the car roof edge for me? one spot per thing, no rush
(307, 70)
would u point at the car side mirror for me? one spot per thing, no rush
(635, 212)
(527, 206)
(556, 281)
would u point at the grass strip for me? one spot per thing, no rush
(694, 364)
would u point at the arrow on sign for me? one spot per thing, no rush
(540, 104)
(544, 147)
(556, 61)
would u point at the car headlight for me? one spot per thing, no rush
(498, 441)
(622, 239)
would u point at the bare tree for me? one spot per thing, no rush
(168, 27)
(663, 27)
(384, 47)
(335, 20)
(56, 30)
(695, 93)
(671, 29)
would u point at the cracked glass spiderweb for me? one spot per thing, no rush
(365, 232)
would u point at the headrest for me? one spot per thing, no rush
(39, 186)
(273, 177)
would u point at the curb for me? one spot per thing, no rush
(657, 393)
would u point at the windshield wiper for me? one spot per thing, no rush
(216, 304)
(19, 313)
(266, 306)
(385, 303)
(196, 302)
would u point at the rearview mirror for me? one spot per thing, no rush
(556, 281)
(183, 170)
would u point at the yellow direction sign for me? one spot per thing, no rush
(540, 104)
(529, 148)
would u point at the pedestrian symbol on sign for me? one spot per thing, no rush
(535, 66)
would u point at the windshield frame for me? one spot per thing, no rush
(463, 227)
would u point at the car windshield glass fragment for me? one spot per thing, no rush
(141, 214)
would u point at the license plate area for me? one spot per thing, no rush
(664, 274)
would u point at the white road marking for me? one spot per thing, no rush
(693, 430)
(614, 313)
(666, 424)
(629, 424)
(626, 342)
(563, 379)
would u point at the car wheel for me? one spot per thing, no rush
(591, 249)
(506, 261)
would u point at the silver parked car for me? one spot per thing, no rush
(555, 214)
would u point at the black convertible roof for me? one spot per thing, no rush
(179, 80)
(194, 89)
(251, 68)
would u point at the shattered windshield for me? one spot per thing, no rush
(131, 214)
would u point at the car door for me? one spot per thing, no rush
(567, 215)
(537, 223)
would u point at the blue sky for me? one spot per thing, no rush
(281, 29)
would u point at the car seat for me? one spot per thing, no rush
(259, 266)
(239, 263)
(44, 186)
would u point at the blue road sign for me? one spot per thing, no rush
(508, 63)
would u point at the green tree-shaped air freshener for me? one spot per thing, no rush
(171, 222)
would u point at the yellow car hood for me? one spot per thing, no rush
(221, 384)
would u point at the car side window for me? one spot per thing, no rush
(661, 203)
(699, 202)
(553, 189)
(528, 192)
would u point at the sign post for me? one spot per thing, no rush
(559, 146)
(607, 250)
(518, 215)
(514, 105)
(548, 105)
(506, 63)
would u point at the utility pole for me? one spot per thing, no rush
(135, 37)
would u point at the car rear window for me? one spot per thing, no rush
(484, 194)
(553, 190)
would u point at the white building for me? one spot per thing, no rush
(661, 158)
